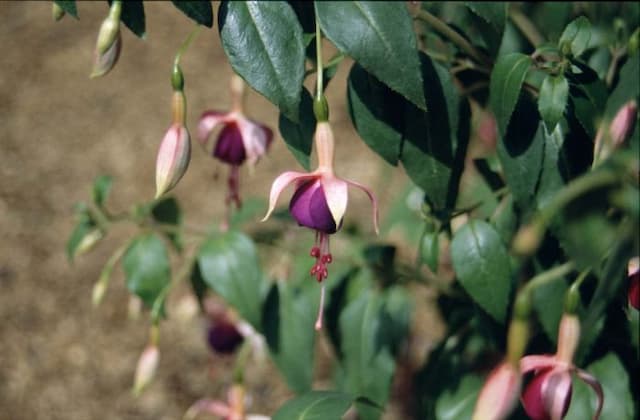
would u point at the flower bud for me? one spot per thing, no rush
(57, 12)
(99, 290)
(104, 61)
(309, 207)
(499, 393)
(88, 241)
(146, 369)
(634, 283)
(173, 158)
(623, 123)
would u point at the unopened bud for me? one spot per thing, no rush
(623, 123)
(499, 393)
(527, 240)
(146, 369)
(88, 241)
(99, 290)
(104, 62)
(634, 283)
(57, 12)
(173, 158)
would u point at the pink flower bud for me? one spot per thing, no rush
(173, 158)
(499, 393)
(634, 283)
(109, 43)
(146, 369)
(623, 123)
(548, 394)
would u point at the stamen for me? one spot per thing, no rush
(320, 309)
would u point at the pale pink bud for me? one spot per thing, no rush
(499, 393)
(108, 47)
(173, 158)
(88, 241)
(146, 369)
(623, 123)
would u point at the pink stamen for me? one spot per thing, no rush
(320, 309)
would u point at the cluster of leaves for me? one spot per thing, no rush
(414, 85)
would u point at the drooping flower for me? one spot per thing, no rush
(175, 149)
(319, 202)
(633, 272)
(499, 393)
(231, 409)
(222, 335)
(623, 123)
(109, 42)
(548, 395)
(240, 139)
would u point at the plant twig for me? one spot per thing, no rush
(525, 26)
(453, 36)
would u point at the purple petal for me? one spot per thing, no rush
(230, 148)
(548, 394)
(309, 207)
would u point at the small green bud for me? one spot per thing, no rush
(177, 78)
(321, 108)
(57, 12)
(634, 42)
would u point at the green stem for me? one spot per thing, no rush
(529, 236)
(186, 43)
(240, 363)
(319, 81)
(547, 277)
(452, 35)
(525, 26)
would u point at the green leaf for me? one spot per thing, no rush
(555, 171)
(263, 41)
(199, 10)
(101, 188)
(367, 363)
(618, 400)
(397, 130)
(376, 112)
(494, 13)
(380, 37)
(553, 100)
(548, 301)
(298, 136)
(458, 403)
(167, 211)
(69, 6)
(588, 99)
(146, 267)
(507, 77)
(288, 325)
(521, 152)
(576, 36)
(482, 266)
(315, 405)
(133, 16)
(229, 265)
(82, 237)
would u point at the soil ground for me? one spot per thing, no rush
(59, 357)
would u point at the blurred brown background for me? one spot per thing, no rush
(59, 357)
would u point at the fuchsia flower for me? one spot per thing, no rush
(633, 272)
(175, 149)
(146, 369)
(499, 393)
(623, 123)
(319, 202)
(232, 409)
(240, 138)
(222, 334)
(548, 395)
